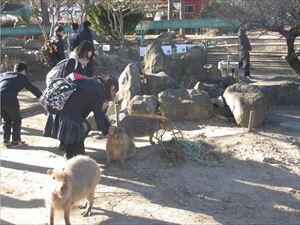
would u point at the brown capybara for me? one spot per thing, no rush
(141, 126)
(76, 181)
(119, 145)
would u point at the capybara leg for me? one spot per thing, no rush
(51, 216)
(151, 139)
(89, 205)
(67, 210)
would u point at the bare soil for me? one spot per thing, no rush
(249, 178)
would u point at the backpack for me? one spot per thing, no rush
(47, 51)
(55, 96)
(56, 71)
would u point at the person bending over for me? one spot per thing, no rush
(11, 83)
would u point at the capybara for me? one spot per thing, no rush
(76, 181)
(119, 145)
(140, 126)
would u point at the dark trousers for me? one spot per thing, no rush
(73, 149)
(11, 121)
(245, 61)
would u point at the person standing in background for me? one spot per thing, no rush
(58, 46)
(86, 35)
(244, 49)
(72, 37)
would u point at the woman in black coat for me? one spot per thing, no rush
(70, 126)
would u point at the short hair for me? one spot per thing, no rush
(83, 48)
(86, 24)
(19, 67)
(75, 26)
(59, 29)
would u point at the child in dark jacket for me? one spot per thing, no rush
(11, 83)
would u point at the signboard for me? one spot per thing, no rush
(180, 48)
(143, 51)
(106, 48)
(167, 49)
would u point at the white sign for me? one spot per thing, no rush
(181, 48)
(143, 51)
(106, 48)
(167, 49)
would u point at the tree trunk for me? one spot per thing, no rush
(170, 11)
(122, 31)
(292, 57)
(45, 13)
(181, 17)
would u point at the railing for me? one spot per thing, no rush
(145, 26)
(33, 30)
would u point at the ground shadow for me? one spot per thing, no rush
(24, 167)
(116, 218)
(237, 191)
(10, 202)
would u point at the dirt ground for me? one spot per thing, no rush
(249, 178)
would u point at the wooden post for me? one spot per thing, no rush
(250, 122)
(117, 114)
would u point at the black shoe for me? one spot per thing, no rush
(18, 144)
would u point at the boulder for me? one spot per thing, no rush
(155, 60)
(143, 105)
(185, 104)
(32, 44)
(159, 82)
(281, 92)
(243, 98)
(129, 85)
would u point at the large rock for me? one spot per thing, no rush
(159, 82)
(143, 105)
(155, 60)
(185, 104)
(129, 85)
(243, 98)
(32, 44)
(281, 92)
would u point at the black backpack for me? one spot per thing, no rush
(55, 95)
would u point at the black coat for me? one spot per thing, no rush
(68, 126)
(244, 43)
(11, 83)
(70, 68)
(59, 53)
(71, 41)
(85, 35)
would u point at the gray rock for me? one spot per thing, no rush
(159, 82)
(143, 105)
(185, 104)
(155, 60)
(281, 92)
(129, 85)
(243, 98)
